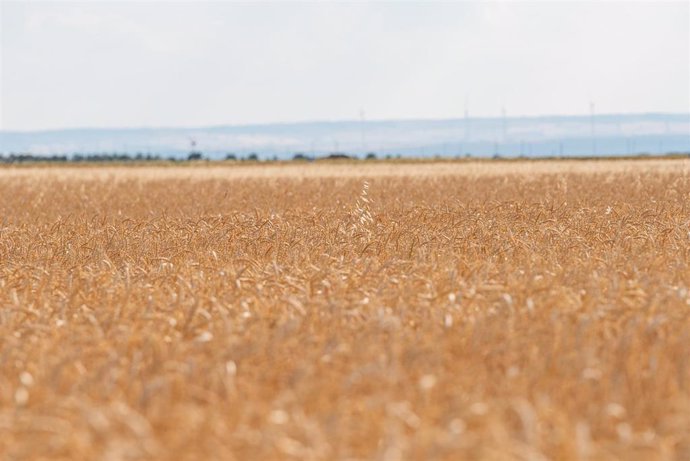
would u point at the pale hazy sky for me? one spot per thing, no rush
(129, 64)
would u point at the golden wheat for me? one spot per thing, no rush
(524, 310)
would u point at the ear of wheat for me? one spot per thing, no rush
(362, 212)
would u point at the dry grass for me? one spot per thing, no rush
(454, 311)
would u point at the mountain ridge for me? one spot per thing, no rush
(653, 132)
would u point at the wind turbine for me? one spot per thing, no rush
(193, 153)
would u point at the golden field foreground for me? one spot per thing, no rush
(495, 310)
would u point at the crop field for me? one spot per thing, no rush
(376, 311)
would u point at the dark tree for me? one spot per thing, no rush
(338, 156)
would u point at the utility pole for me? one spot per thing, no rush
(504, 124)
(592, 126)
(466, 135)
(361, 128)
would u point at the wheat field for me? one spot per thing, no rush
(425, 311)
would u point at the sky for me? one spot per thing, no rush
(182, 64)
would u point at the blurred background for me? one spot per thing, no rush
(285, 80)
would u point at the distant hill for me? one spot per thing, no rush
(481, 137)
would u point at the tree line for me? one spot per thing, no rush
(141, 157)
